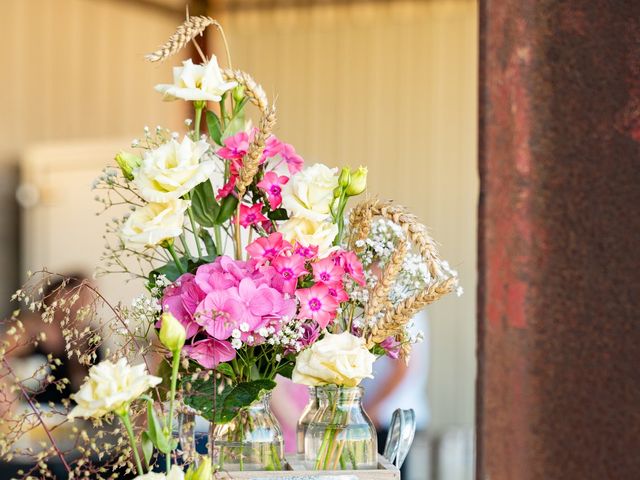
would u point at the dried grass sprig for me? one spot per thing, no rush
(378, 298)
(190, 29)
(395, 319)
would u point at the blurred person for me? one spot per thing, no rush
(397, 385)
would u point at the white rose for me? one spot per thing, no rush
(309, 193)
(196, 82)
(172, 170)
(309, 232)
(341, 359)
(110, 387)
(155, 222)
(175, 473)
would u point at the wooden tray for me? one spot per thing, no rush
(296, 471)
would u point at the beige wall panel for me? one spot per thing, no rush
(391, 85)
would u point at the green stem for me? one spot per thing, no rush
(176, 260)
(223, 113)
(124, 417)
(196, 122)
(218, 233)
(342, 203)
(183, 240)
(195, 231)
(174, 380)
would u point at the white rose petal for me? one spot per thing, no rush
(111, 386)
(196, 82)
(155, 222)
(172, 169)
(309, 232)
(341, 359)
(309, 193)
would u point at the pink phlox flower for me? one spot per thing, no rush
(317, 304)
(338, 292)
(266, 248)
(227, 188)
(272, 147)
(236, 146)
(392, 347)
(271, 184)
(307, 251)
(251, 215)
(210, 352)
(221, 312)
(289, 269)
(294, 161)
(350, 262)
(327, 272)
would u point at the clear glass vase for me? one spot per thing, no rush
(340, 436)
(305, 418)
(252, 441)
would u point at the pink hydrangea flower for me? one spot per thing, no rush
(338, 292)
(316, 303)
(210, 352)
(266, 248)
(271, 184)
(289, 269)
(327, 272)
(349, 261)
(225, 272)
(220, 312)
(181, 300)
(251, 215)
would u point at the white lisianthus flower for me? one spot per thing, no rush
(155, 222)
(172, 170)
(341, 359)
(175, 473)
(110, 387)
(196, 82)
(308, 232)
(309, 193)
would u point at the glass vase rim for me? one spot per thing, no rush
(339, 388)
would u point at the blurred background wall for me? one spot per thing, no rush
(389, 84)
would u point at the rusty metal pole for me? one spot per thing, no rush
(558, 392)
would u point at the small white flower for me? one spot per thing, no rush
(235, 333)
(244, 327)
(236, 343)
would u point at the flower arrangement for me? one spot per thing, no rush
(253, 269)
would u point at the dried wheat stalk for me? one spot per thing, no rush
(394, 320)
(191, 28)
(251, 161)
(378, 297)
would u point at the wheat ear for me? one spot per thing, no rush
(394, 320)
(191, 28)
(251, 161)
(378, 297)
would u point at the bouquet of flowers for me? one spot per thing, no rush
(253, 269)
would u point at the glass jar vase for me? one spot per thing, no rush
(305, 418)
(340, 436)
(252, 441)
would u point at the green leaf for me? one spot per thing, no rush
(278, 214)
(229, 400)
(225, 369)
(208, 243)
(147, 447)
(214, 126)
(286, 369)
(156, 432)
(240, 105)
(169, 270)
(227, 207)
(203, 204)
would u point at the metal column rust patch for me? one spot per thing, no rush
(559, 240)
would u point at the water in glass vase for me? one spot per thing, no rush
(251, 441)
(341, 436)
